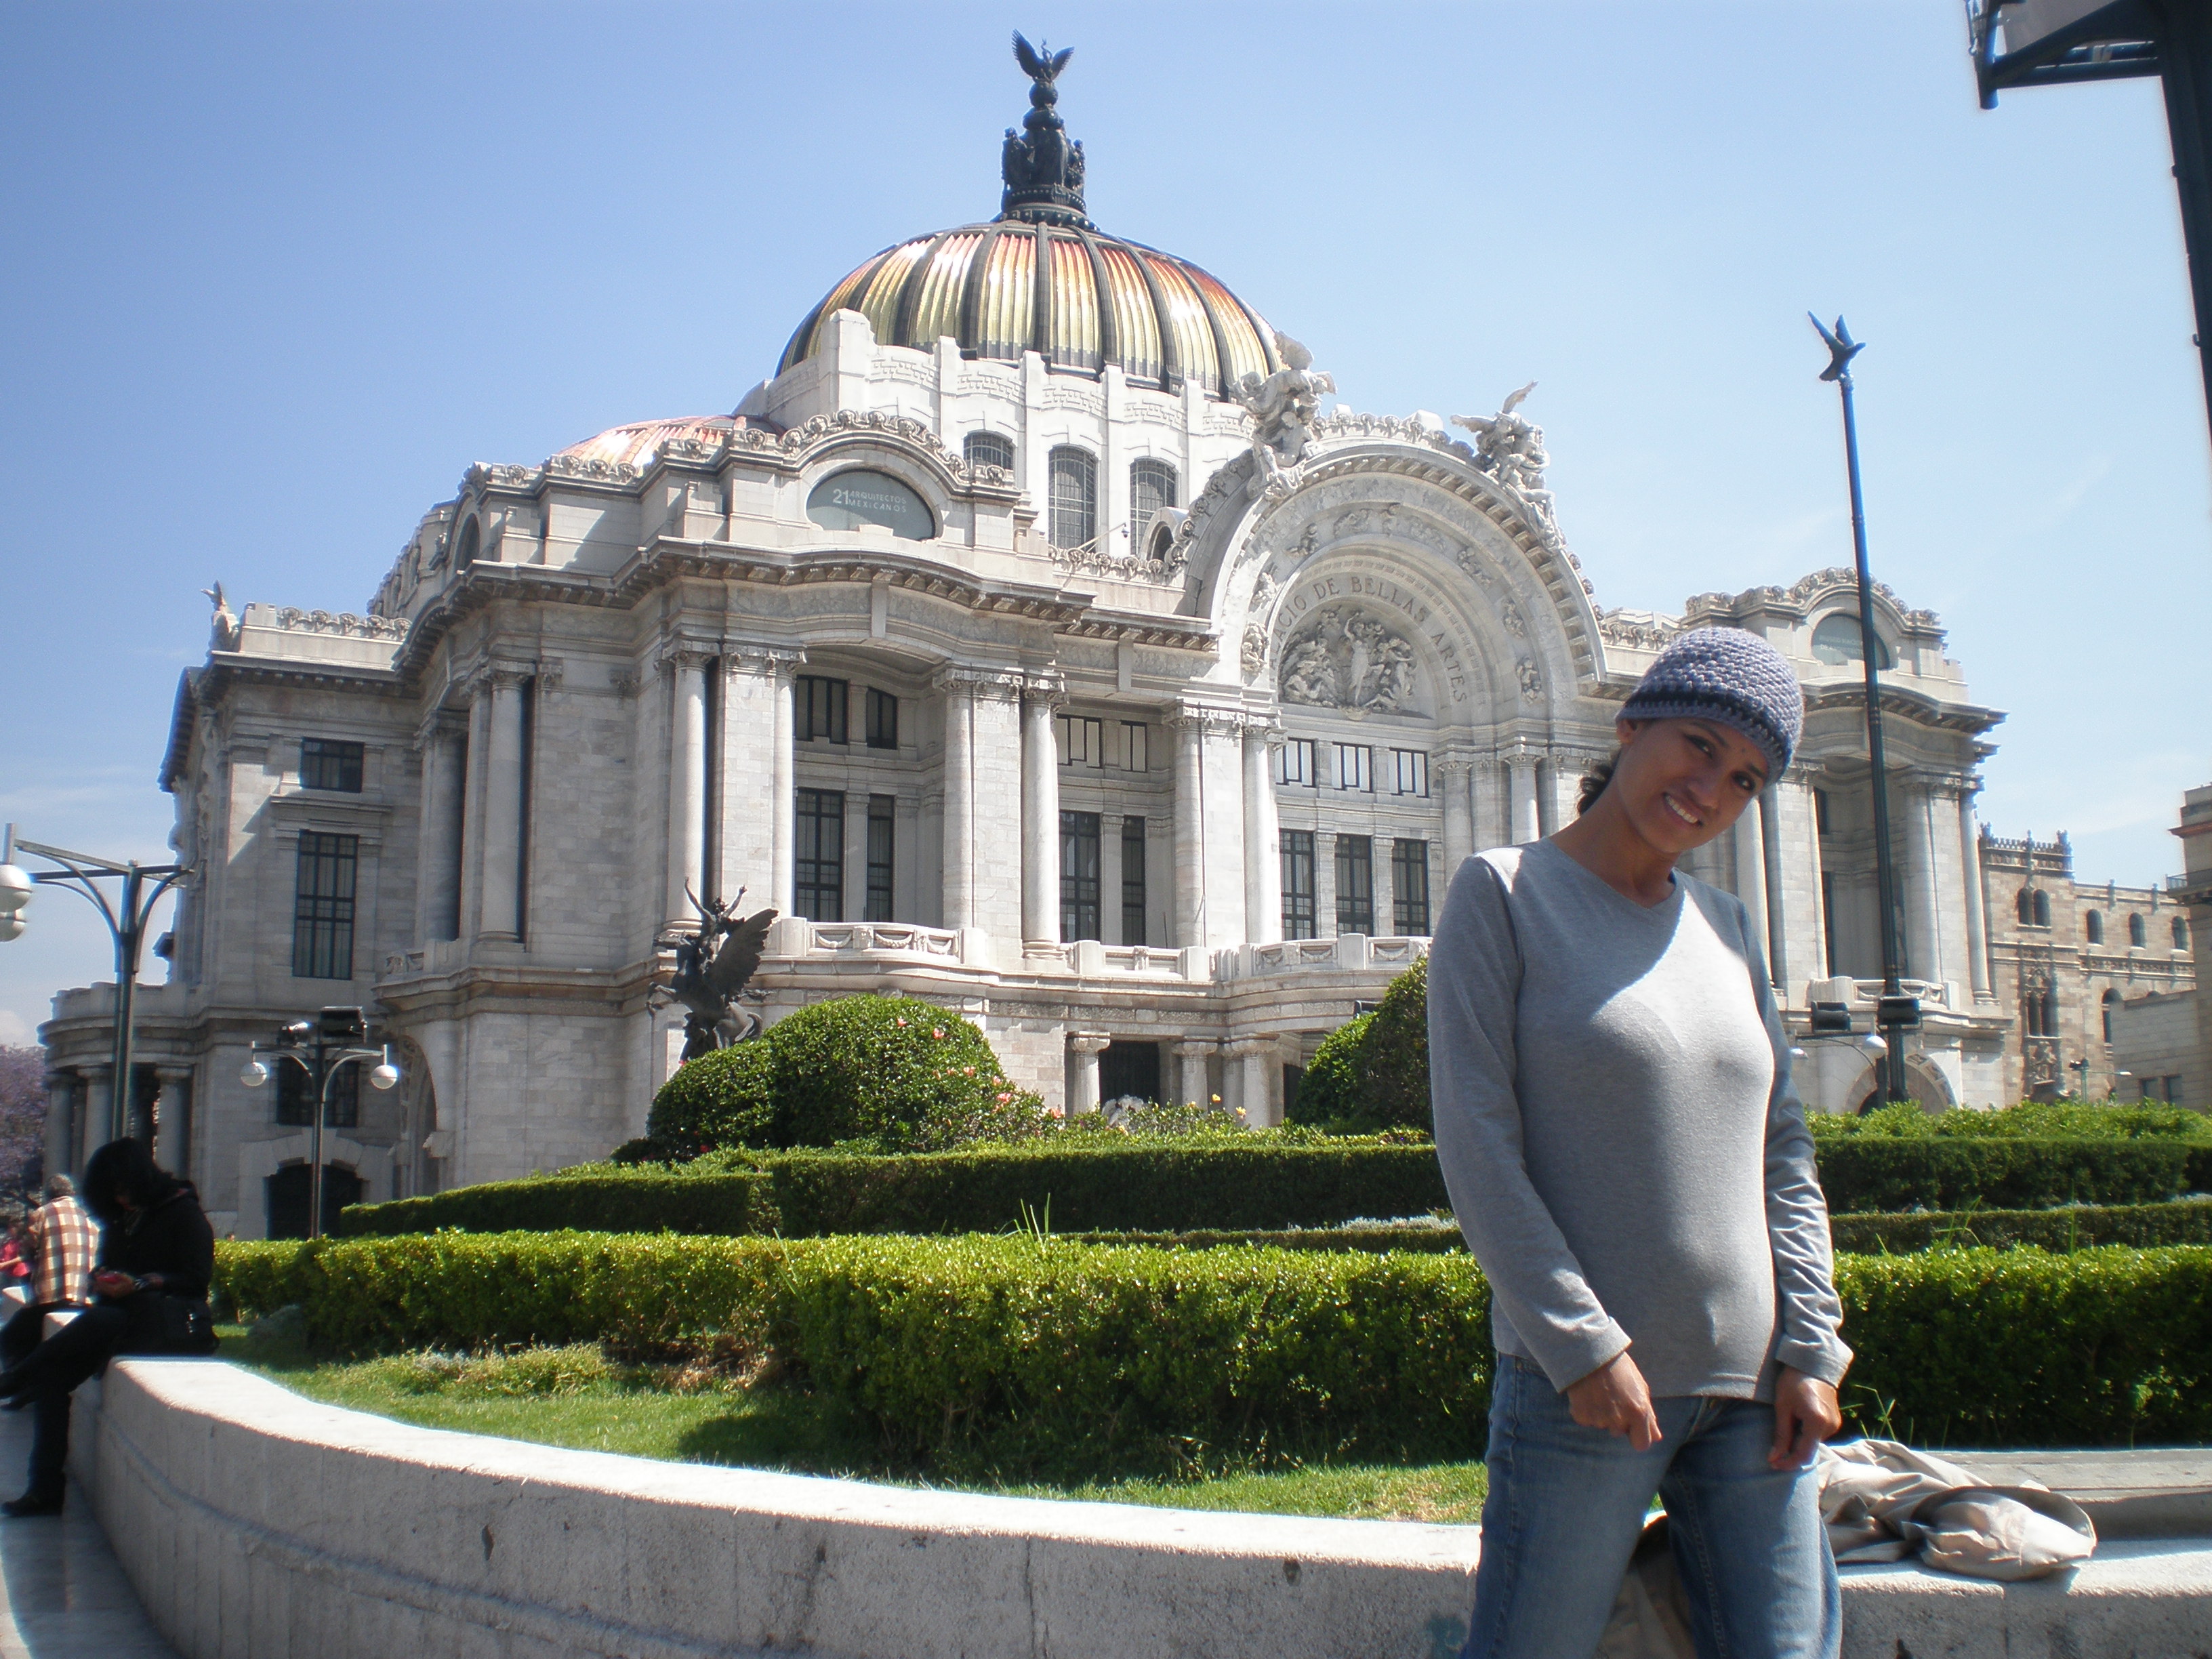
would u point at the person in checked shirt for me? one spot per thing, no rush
(62, 1244)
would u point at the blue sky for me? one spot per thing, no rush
(272, 276)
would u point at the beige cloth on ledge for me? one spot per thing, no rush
(1881, 1501)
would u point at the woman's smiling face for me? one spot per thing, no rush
(1682, 782)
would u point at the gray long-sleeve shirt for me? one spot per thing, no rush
(1618, 1130)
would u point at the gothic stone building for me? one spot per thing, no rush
(1031, 645)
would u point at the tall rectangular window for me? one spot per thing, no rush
(1296, 762)
(1135, 753)
(296, 1096)
(883, 719)
(1409, 771)
(1297, 883)
(1355, 885)
(326, 763)
(1355, 767)
(1078, 875)
(322, 907)
(1133, 880)
(820, 713)
(818, 872)
(1409, 887)
(1073, 479)
(1082, 740)
(881, 809)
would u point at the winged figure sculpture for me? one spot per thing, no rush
(713, 965)
(1041, 65)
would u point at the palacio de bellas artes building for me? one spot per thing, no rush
(1030, 641)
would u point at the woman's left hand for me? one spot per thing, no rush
(1805, 1414)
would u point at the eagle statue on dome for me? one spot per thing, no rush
(1041, 169)
(1042, 66)
(713, 965)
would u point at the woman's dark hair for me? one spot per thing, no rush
(123, 1169)
(1594, 782)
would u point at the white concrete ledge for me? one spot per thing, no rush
(254, 1522)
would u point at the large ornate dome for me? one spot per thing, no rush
(1041, 277)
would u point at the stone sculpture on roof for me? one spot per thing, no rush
(1284, 407)
(1510, 448)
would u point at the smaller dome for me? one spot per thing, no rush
(639, 443)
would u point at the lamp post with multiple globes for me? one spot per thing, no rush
(322, 1048)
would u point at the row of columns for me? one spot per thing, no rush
(72, 1136)
(1250, 1075)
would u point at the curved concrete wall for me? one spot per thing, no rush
(253, 1521)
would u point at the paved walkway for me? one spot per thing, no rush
(62, 1595)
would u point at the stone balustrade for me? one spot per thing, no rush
(1390, 954)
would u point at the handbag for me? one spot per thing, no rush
(187, 1327)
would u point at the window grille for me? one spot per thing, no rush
(1082, 740)
(880, 832)
(883, 719)
(1409, 887)
(326, 763)
(988, 449)
(2093, 926)
(296, 1096)
(322, 911)
(1151, 487)
(1073, 485)
(821, 710)
(1355, 767)
(1409, 770)
(1295, 762)
(2138, 935)
(1133, 881)
(1136, 746)
(1078, 875)
(1297, 883)
(1355, 885)
(818, 872)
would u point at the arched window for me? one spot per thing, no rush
(1151, 487)
(2093, 926)
(2042, 909)
(2050, 1010)
(1074, 497)
(1836, 642)
(2180, 933)
(465, 550)
(2025, 903)
(2031, 1013)
(2138, 934)
(2109, 1001)
(988, 449)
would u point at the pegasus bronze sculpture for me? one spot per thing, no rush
(713, 965)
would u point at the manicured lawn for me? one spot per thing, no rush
(575, 1397)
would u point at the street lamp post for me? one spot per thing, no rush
(144, 884)
(1896, 1013)
(322, 1048)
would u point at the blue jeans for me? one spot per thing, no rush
(1566, 1504)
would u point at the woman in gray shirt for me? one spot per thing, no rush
(1631, 1165)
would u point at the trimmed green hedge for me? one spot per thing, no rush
(1951, 1172)
(2072, 1227)
(1060, 1357)
(1130, 1187)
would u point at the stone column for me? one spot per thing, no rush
(995, 757)
(61, 1122)
(959, 800)
(1778, 895)
(1086, 1046)
(1190, 1058)
(1188, 727)
(1978, 921)
(1041, 820)
(1451, 776)
(1259, 1062)
(502, 809)
(687, 784)
(783, 801)
(1924, 927)
(1751, 872)
(1524, 822)
(438, 848)
(172, 1118)
(97, 1126)
(1263, 864)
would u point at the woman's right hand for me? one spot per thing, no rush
(1615, 1398)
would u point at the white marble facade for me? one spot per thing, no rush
(587, 683)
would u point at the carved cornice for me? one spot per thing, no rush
(1048, 686)
(991, 685)
(763, 659)
(1208, 721)
(344, 623)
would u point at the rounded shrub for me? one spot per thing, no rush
(723, 1099)
(1372, 1072)
(895, 1072)
(1328, 1093)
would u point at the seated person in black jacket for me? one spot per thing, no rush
(150, 1288)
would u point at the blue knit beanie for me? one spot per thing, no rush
(1730, 677)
